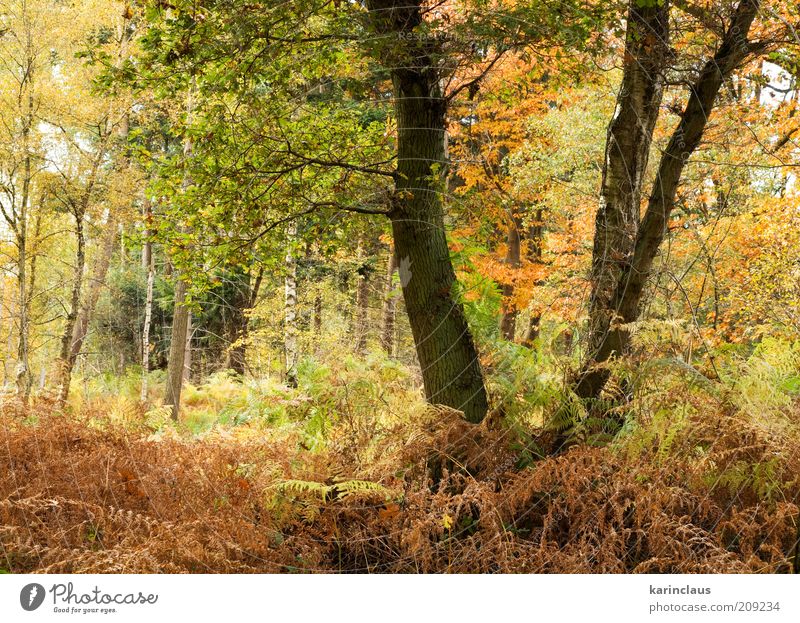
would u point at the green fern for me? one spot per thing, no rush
(324, 492)
(157, 418)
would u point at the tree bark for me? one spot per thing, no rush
(64, 364)
(362, 307)
(451, 371)
(148, 264)
(187, 351)
(23, 379)
(10, 340)
(10, 315)
(389, 306)
(635, 267)
(508, 321)
(176, 363)
(177, 349)
(534, 251)
(23, 376)
(630, 135)
(148, 316)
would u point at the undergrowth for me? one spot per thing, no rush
(351, 472)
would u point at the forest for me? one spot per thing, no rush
(383, 286)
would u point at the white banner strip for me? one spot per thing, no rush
(388, 598)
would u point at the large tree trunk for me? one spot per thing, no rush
(451, 371)
(508, 321)
(634, 269)
(627, 149)
(630, 135)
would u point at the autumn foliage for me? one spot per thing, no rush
(711, 490)
(421, 286)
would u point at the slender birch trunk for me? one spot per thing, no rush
(290, 308)
(148, 315)
(23, 376)
(64, 363)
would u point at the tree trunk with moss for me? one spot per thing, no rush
(177, 349)
(451, 370)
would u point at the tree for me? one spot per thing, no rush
(310, 145)
(630, 134)
(107, 119)
(389, 306)
(625, 245)
(290, 351)
(54, 135)
(180, 337)
(414, 49)
(27, 59)
(445, 348)
(148, 264)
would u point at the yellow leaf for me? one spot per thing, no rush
(447, 521)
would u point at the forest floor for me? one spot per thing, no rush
(100, 488)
